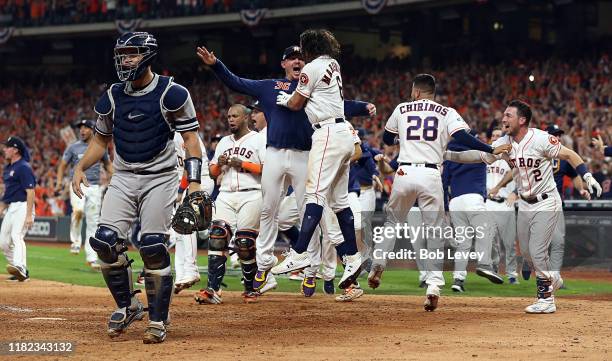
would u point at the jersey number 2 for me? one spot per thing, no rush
(429, 124)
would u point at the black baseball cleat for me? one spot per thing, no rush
(458, 285)
(20, 273)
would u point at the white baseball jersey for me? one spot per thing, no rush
(250, 148)
(531, 160)
(321, 83)
(179, 144)
(495, 173)
(424, 128)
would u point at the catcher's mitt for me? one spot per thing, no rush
(194, 214)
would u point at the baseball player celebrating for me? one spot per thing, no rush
(540, 207)
(424, 128)
(89, 205)
(238, 159)
(501, 207)
(288, 142)
(320, 94)
(18, 201)
(141, 115)
(186, 248)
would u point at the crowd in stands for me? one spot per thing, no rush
(22, 13)
(576, 95)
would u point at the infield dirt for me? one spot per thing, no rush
(288, 326)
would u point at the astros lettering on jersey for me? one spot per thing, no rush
(531, 161)
(250, 148)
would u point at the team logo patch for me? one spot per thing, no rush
(553, 140)
(303, 79)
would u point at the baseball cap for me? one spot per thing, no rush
(18, 143)
(293, 49)
(255, 106)
(554, 130)
(86, 122)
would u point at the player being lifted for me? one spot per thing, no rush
(540, 204)
(319, 92)
(424, 128)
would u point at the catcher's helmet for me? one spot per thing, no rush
(132, 44)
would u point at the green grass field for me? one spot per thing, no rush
(57, 264)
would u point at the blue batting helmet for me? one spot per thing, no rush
(129, 45)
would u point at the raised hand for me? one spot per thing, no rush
(207, 57)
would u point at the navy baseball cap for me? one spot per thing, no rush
(86, 122)
(293, 49)
(20, 145)
(554, 130)
(255, 106)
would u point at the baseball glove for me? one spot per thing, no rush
(194, 214)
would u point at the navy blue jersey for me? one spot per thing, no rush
(365, 167)
(562, 168)
(459, 179)
(353, 183)
(17, 178)
(286, 129)
(608, 151)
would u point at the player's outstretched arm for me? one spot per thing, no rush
(232, 81)
(94, 153)
(463, 137)
(356, 108)
(471, 156)
(575, 161)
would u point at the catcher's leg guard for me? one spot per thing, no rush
(220, 235)
(158, 275)
(245, 248)
(115, 265)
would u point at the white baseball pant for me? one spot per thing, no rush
(282, 167)
(12, 234)
(186, 247)
(89, 208)
(538, 223)
(505, 223)
(469, 210)
(414, 183)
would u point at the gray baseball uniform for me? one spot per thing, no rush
(145, 190)
(74, 153)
